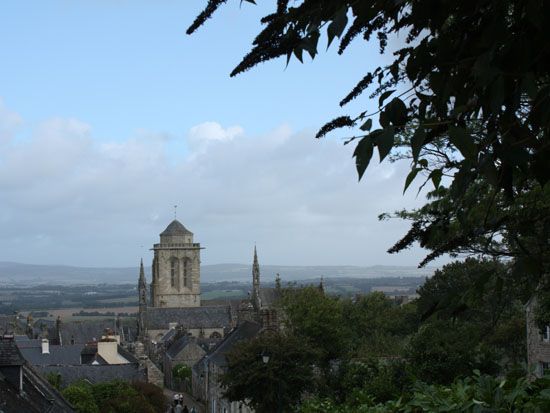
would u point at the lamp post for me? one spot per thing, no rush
(265, 360)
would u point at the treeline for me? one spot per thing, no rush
(369, 353)
(83, 313)
(114, 396)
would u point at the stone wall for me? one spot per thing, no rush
(538, 348)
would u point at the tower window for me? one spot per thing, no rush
(186, 274)
(173, 272)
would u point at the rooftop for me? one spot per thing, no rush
(175, 228)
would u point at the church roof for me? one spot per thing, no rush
(158, 318)
(175, 228)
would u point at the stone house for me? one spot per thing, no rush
(21, 388)
(95, 362)
(538, 343)
(186, 350)
(207, 372)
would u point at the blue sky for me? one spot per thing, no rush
(127, 65)
(110, 114)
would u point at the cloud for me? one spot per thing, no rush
(204, 134)
(9, 122)
(71, 198)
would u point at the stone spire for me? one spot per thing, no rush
(256, 281)
(141, 282)
(142, 312)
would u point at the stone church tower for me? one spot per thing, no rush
(176, 269)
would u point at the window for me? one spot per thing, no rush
(186, 273)
(173, 272)
(546, 334)
(545, 367)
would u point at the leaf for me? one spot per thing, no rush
(310, 43)
(435, 176)
(417, 141)
(384, 142)
(410, 177)
(463, 141)
(383, 119)
(298, 52)
(338, 24)
(363, 154)
(384, 96)
(396, 112)
(367, 125)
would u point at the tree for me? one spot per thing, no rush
(475, 293)
(318, 319)
(378, 326)
(273, 385)
(115, 397)
(80, 395)
(471, 108)
(181, 372)
(54, 379)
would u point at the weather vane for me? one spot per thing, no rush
(175, 211)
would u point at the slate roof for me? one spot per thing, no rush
(175, 228)
(59, 355)
(127, 355)
(178, 346)
(85, 331)
(96, 373)
(168, 336)
(37, 396)
(244, 331)
(9, 353)
(190, 317)
(7, 323)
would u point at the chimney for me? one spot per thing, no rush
(45, 346)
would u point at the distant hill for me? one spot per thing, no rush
(14, 273)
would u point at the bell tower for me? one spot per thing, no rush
(176, 268)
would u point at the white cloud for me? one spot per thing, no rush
(204, 134)
(9, 122)
(69, 198)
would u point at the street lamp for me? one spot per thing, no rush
(265, 360)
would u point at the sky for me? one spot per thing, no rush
(110, 115)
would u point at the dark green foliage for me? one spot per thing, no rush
(370, 352)
(442, 350)
(318, 319)
(115, 397)
(378, 380)
(81, 397)
(467, 297)
(275, 386)
(181, 372)
(479, 393)
(54, 379)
